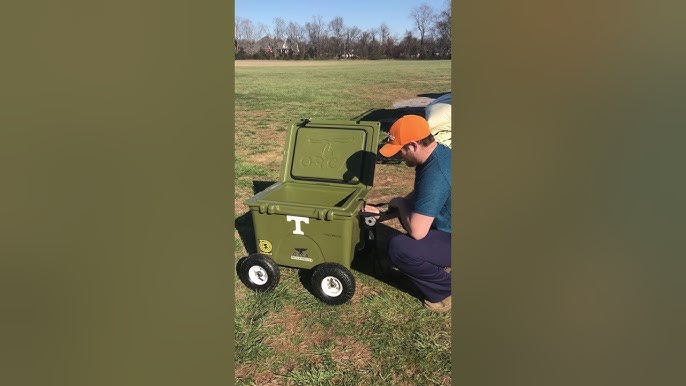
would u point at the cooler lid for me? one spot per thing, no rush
(342, 152)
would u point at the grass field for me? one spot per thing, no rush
(383, 336)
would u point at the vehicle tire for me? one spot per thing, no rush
(258, 272)
(332, 283)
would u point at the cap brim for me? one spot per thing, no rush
(388, 150)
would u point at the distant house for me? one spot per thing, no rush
(285, 49)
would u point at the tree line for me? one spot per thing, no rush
(320, 39)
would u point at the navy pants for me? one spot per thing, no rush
(423, 261)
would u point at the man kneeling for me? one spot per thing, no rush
(423, 254)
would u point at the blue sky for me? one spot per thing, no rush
(364, 14)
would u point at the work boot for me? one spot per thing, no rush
(442, 306)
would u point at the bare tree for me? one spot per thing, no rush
(248, 34)
(337, 29)
(261, 31)
(243, 29)
(385, 32)
(423, 17)
(367, 45)
(316, 34)
(279, 29)
(442, 27)
(408, 47)
(279, 37)
(351, 36)
(374, 50)
(387, 40)
(245, 34)
(296, 37)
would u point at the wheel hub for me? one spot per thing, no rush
(331, 286)
(258, 275)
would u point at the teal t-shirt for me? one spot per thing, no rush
(432, 184)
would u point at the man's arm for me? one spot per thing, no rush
(417, 225)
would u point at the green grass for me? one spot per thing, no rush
(334, 91)
(243, 170)
(286, 336)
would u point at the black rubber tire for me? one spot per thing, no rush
(332, 283)
(258, 272)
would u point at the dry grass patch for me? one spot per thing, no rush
(296, 336)
(272, 158)
(261, 378)
(240, 293)
(363, 291)
(349, 353)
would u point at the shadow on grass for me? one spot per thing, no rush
(388, 116)
(244, 224)
(246, 232)
(373, 261)
(434, 95)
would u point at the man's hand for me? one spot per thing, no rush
(371, 209)
(382, 216)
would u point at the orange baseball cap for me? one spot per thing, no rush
(408, 128)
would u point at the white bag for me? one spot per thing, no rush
(438, 114)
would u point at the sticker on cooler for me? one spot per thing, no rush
(298, 221)
(300, 254)
(265, 246)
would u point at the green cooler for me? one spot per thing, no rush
(310, 218)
